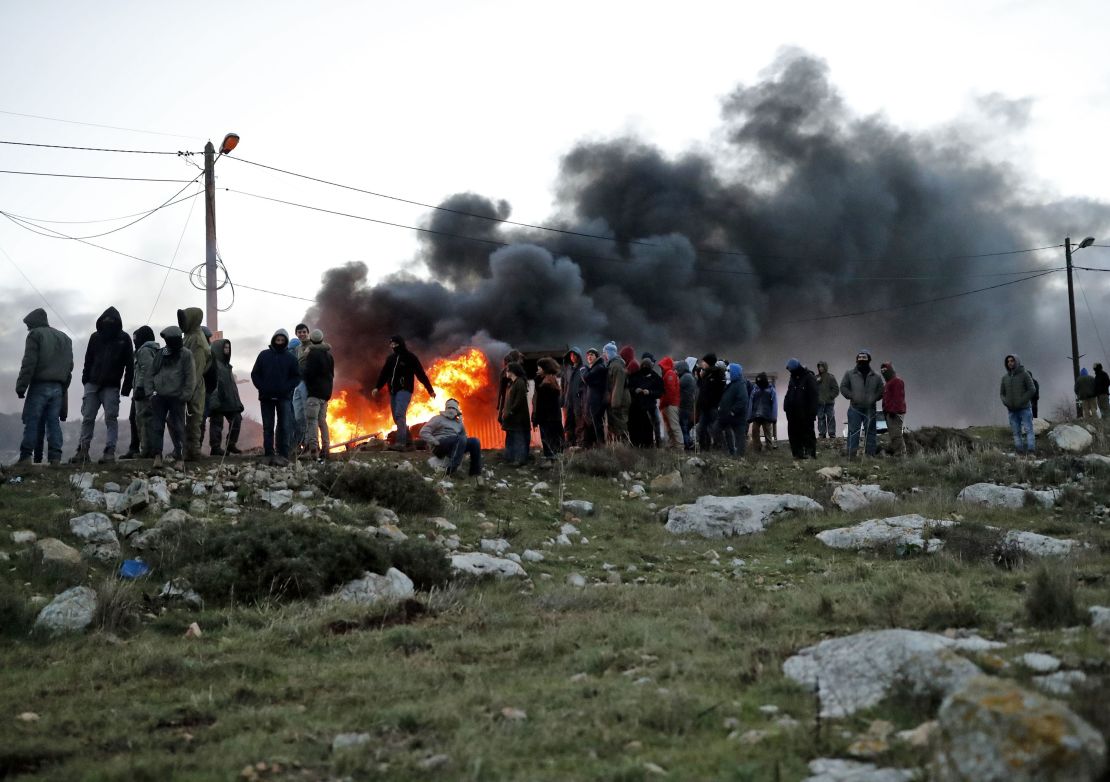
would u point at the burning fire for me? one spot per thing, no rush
(465, 377)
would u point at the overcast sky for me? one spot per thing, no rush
(422, 101)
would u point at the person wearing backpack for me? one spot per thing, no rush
(224, 403)
(169, 387)
(188, 320)
(146, 349)
(1017, 391)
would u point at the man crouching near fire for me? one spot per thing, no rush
(446, 437)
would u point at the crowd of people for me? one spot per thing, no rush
(182, 384)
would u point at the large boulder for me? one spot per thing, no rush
(478, 564)
(836, 770)
(1071, 438)
(278, 498)
(849, 497)
(1041, 426)
(91, 499)
(53, 559)
(1039, 545)
(71, 611)
(992, 730)
(905, 530)
(858, 671)
(93, 528)
(372, 588)
(723, 517)
(992, 495)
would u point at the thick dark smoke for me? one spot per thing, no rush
(819, 211)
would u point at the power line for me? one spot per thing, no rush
(177, 249)
(639, 242)
(89, 176)
(102, 220)
(97, 149)
(96, 125)
(923, 301)
(144, 216)
(607, 259)
(1092, 316)
(36, 290)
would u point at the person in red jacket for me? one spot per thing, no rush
(669, 402)
(894, 408)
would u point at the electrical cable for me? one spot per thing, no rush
(96, 125)
(640, 242)
(918, 303)
(1091, 314)
(36, 290)
(89, 176)
(102, 220)
(606, 259)
(177, 249)
(97, 149)
(147, 214)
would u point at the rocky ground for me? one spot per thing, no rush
(618, 615)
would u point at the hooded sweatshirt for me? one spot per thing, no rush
(630, 362)
(189, 320)
(440, 427)
(172, 373)
(1085, 386)
(802, 393)
(573, 387)
(225, 396)
(733, 407)
(275, 373)
(401, 370)
(1017, 389)
(318, 369)
(827, 387)
(146, 348)
(110, 354)
(687, 387)
(616, 385)
(47, 354)
(672, 394)
(762, 406)
(894, 391)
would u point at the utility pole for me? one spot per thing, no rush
(1071, 309)
(211, 306)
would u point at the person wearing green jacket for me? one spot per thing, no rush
(827, 392)
(225, 403)
(1017, 392)
(170, 386)
(189, 320)
(43, 383)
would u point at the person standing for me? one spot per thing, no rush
(863, 389)
(445, 434)
(318, 370)
(400, 372)
(42, 384)
(762, 412)
(514, 416)
(619, 397)
(146, 352)
(1102, 391)
(547, 413)
(894, 408)
(800, 406)
(169, 387)
(224, 403)
(503, 381)
(827, 392)
(671, 402)
(1017, 393)
(300, 394)
(596, 381)
(108, 361)
(1086, 392)
(188, 320)
(645, 387)
(687, 396)
(732, 412)
(711, 387)
(572, 391)
(276, 375)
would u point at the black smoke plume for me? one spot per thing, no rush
(802, 210)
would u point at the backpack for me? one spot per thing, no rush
(1036, 387)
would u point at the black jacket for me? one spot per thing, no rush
(645, 379)
(275, 373)
(319, 370)
(545, 401)
(1102, 383)
(401, 371)
(801, 395)
(596, 380)
(109, 357)
(711, 388)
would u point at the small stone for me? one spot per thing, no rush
(28, 716)
(442, 524)
(111, 486)
(93, 528)
(578, 678)
(344, 741)
(579, 507)
(57, 560)
(514, 714)
(128, 528)
(576, 580)
(497, 546)
(532, 556)
(671, 481)
(23, 537)
(654, 768)
(769, 709)
(392, 531)
(193, 631)
(433, 762)
(1040, 663)
(919, 736)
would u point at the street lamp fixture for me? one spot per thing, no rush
(1085, 243)
(231, 141)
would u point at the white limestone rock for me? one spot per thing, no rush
(994, 496)
(579, 507)
(93, 528)
(1039, 545)
(69, 612)
(849, 497)
(479, 564)
(907, 530)
(1071, 438)
(372, 588)
(837, 770)
(721, 517)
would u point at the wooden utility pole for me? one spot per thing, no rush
(211, 305)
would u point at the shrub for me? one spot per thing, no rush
(425, 564)
(117, 605)
(604, 462)
(262, 558)
(17, 616)
(404, 492)
(970, 542)
(1051, 600)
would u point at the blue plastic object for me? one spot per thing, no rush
(133, 568)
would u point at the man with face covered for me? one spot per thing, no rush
(446, 436)
(169, 386)
(400, 372)
(863, 388)
(108, 363)
(276, 375)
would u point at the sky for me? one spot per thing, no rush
(423, 101)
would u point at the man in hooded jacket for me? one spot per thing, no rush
(44, 378)
(108, 361)
(573, 389)
(1102, 391)
(318, 369)
(169, 386)
(189, 320)
(400, 372)
(894, 408)
(863, 388)
(645, 387)
(1086, 392)
(139, 417)
(224, 403)
(619, 398)
(800, 406)
(711, 387)
(1017, 392)
(596, 381)
(827, 392)
(276, 375)
(670, 402)
(732, 412)
(687, 396)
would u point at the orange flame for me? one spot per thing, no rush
(465, 376)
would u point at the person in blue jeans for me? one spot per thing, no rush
(400, 372)
(276, 375)
(1017, 392)
(863, 388)
(44, 378)
(514, 418)
(446, 436)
